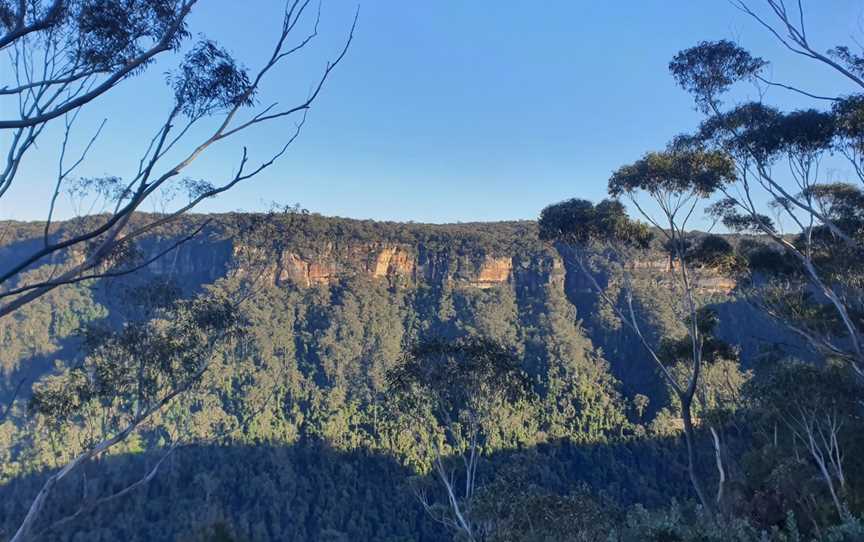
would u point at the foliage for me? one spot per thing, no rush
(674, 172)
(580, 222)
(130, 370)
(462, 382)
(303, 393)
(210, 79)
(710, 68)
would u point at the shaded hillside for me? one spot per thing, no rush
(493, 278)
(308, 491)
(295, 436)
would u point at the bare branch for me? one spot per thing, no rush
(50, 284)
(87, 507)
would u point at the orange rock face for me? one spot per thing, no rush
(660, 264)
(293, 269)
(717, 285)
(296, 270)
(706, 281)
(493, 271)
(392, 262)
(322, 273)
(388, 262)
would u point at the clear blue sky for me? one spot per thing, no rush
(450, 110)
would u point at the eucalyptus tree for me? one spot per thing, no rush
(718, 396)
(126, 377)
(140, 377)
(64, 55)
(519, 511)
(819, 409)
(674, 182)
(783, 191)
(452, 393)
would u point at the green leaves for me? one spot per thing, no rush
(582, 223)
(849, 113)
(458, 376)
(842, 202)
(807, 388)
(110, 33)
(728, 211)
(745, 130)
(713, 252)
(711, 67)
(674, 172)
(133, 368)
(210, 80)
(59, 397)
(806, 131)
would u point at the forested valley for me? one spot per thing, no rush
(300, 403)
(678, 360)
(294, 433)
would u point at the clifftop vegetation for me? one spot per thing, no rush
(605, 374)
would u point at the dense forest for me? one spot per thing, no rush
(292, 432)
(681, 360)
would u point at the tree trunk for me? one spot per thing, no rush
(686, 403)
(718, 457)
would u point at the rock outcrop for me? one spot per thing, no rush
(398, 264)
(493, 271)
(393, 261)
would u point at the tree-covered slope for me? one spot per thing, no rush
(337, 302)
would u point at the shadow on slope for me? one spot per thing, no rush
(309, 491)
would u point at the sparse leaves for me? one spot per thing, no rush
(196, 188)
(133, 368)
(111, 34)
(849, 113)
(730, 215)
(210, 80)
(674, 172)
(853, 62)
(708, 70)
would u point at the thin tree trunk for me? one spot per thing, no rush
(462, 522)
(718, 456)
(819, 458)
(691, 453)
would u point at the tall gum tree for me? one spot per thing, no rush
(675, 181)
(815, 288)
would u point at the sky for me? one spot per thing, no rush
(443, 111)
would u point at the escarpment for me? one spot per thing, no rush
(452, 279)
(397, 265)
(318, 252)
